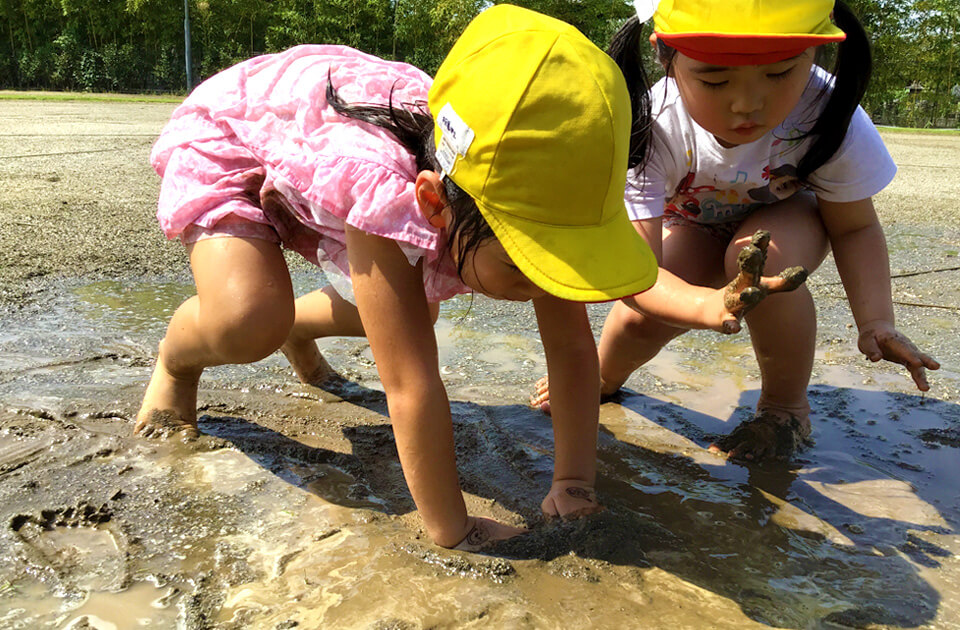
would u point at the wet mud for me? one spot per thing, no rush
(290, 511)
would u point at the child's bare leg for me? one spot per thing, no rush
(629, 339)
(783, 333)
(242, 312)
(322, 313)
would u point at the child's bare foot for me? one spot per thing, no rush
(770, 434)
(540, 398)
(308, 363)
(169, 405)
(313, 369)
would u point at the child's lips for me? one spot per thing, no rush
(746, 129)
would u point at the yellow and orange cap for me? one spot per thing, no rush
(533, 122)
(741, 32)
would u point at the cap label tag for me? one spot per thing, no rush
(453, 127)
(446, 155)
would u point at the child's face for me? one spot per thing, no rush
(738, 104)
(489, 270)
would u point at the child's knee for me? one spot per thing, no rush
(243, 333)
(639, 326)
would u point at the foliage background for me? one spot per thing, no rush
(138, 45)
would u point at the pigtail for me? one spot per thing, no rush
(624, 49)
(852, 74)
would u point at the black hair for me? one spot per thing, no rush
(412, 126)
(854, 64)
(625, 49)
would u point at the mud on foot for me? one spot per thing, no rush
(305, 359)
(312, 369)
(169, 405)
(767, 436)
(163, 423)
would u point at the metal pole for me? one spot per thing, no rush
(186, 44)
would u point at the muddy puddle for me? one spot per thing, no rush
(291, 510)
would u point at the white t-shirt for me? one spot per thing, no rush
(691, 174)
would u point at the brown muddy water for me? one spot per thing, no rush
(291, 511)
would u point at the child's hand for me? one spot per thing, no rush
(880, 340)
(751, 286)
(484, 532)
(570, 499)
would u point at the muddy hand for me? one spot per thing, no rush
(569, 500)
(540, 398)
(484, 532)
(882, 341)
(751, 286)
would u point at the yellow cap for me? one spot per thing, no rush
(736, 32)
(533, 122)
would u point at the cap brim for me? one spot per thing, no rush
(581, 264)
(734, 49)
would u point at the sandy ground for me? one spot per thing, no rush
(291, 511)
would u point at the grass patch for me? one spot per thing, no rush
(13, 95)
(932, 132)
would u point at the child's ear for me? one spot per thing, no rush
(431, 198)
(656, 52)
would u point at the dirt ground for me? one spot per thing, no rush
(291, 511)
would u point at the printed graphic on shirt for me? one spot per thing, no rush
(733, 200)
(782, 183)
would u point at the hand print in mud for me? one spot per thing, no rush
(783, 183)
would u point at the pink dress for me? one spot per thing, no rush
(255, 151)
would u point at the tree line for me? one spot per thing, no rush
(138, 45)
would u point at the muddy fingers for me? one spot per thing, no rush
(750, 286)
(750, 264)
(786, 280)
(760, 240)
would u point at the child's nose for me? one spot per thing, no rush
(747, 102)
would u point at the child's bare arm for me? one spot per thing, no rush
(860, 251)
(574, 372)
(678, 303)
(396, 318)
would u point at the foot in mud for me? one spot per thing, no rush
(169, 406)
(750, 286)
(312, 369)
(307, 362)
(540, 398)
(767, 436)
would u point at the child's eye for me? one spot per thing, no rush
(713, 86)
(776, 76)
